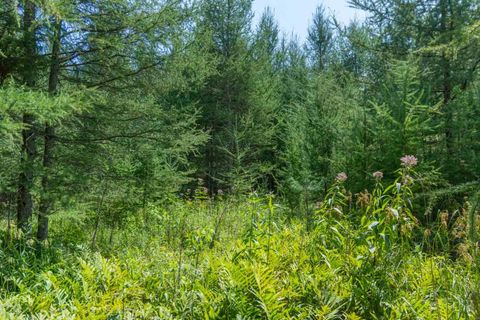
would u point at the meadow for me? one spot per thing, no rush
(364, 256)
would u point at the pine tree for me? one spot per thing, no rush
(236, 102)
(320, 39)
(427, 29)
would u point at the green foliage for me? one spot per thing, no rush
(239, 258)
(319, 40)
(144, 136)
(278, 271)
(404, 124)
(315, 145)
(16, 100)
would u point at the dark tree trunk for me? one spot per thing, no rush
(446, 27)
(25, 181)
(447, 97)
(49, 139)
(24, 196)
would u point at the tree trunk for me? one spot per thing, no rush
(25, 181)
(447, 97)
(49, 139)
(24, 196)
(97, 219)
(446, 28)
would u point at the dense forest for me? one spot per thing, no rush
(172, 159)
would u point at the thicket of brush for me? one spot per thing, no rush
(363, 256)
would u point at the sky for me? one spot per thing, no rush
(295, 15)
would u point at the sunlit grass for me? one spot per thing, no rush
(243, 259)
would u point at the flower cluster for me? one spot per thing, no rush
(409, 161)
(341, 177)
(378, 175)
(364, 198)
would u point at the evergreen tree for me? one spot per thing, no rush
(427, 29)
(320, 39)
(237, 107)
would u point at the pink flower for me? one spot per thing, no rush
(341, 177)
(378, 175)
(409, 161)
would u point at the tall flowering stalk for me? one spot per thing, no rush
(372, 220)
(388, 216)
(400, 204)
(336, 198)
(378, 190)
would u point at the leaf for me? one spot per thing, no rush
(373, 225)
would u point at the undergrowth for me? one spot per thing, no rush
(365, 256)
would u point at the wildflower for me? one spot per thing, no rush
(427, 233)
(459, 234)
(463, 251)
(444, 219)
(341, 177)
(378, 175)
(407, 180)
(363, 198)
(409, 161)
(220, 192)
(406, 228)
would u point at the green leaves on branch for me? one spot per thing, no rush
(16, 100)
